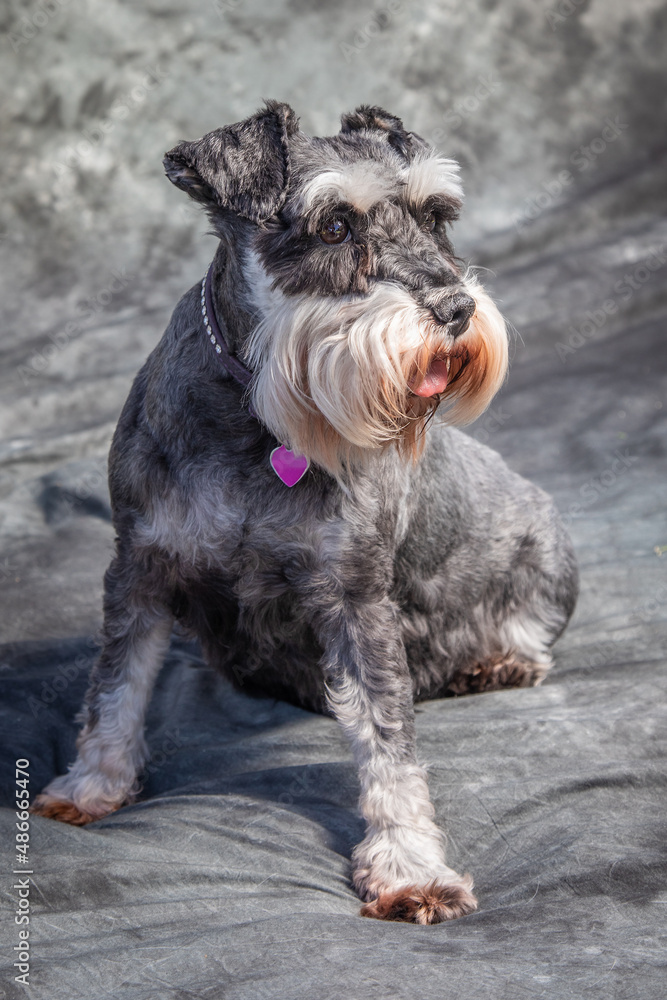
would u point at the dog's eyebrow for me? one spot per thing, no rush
(366, 182)
(431, 176)
(360, 184)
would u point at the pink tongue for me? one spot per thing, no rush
(433, 382)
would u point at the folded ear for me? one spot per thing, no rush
(367, 117)
(243, 167)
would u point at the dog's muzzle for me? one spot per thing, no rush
(452, 314)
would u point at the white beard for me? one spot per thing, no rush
(333, 374)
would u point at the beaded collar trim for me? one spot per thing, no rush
(232, 364)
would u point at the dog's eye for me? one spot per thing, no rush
(334, 231)
(429, 221)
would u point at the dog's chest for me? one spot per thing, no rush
(242, 529)
(261, 540)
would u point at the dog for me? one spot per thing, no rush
(282, 486)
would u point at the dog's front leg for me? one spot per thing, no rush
(111, 746)
(399, 867)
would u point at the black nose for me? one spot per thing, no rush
(454, 312)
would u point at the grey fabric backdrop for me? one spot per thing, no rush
(229, 878)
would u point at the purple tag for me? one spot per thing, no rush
(288, 466)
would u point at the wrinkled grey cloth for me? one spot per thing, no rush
(229, 879)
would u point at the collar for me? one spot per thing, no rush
(232, 364)
(290, 468)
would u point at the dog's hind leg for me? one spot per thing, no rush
(111, 745)
(524, 660)
(399, 867)
(544, 591)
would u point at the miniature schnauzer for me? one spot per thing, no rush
(281, 488)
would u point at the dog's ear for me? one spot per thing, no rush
(243, 167)
(367, 117)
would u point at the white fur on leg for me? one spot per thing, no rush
(403, 846)
(111, 753)
(525, 634)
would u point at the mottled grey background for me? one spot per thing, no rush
(229, 879)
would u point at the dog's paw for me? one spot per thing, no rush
(502, 672)
(429, 904)
(52, 807)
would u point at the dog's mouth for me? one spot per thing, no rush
(433, 381)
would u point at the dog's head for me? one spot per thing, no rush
(363, 319)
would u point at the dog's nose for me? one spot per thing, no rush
(454, 312)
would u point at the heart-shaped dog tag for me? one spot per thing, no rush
(288, 466)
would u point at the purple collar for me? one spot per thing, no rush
(290, 468)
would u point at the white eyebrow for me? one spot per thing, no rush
(361, 184)
(432, 175)
(366, 182)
